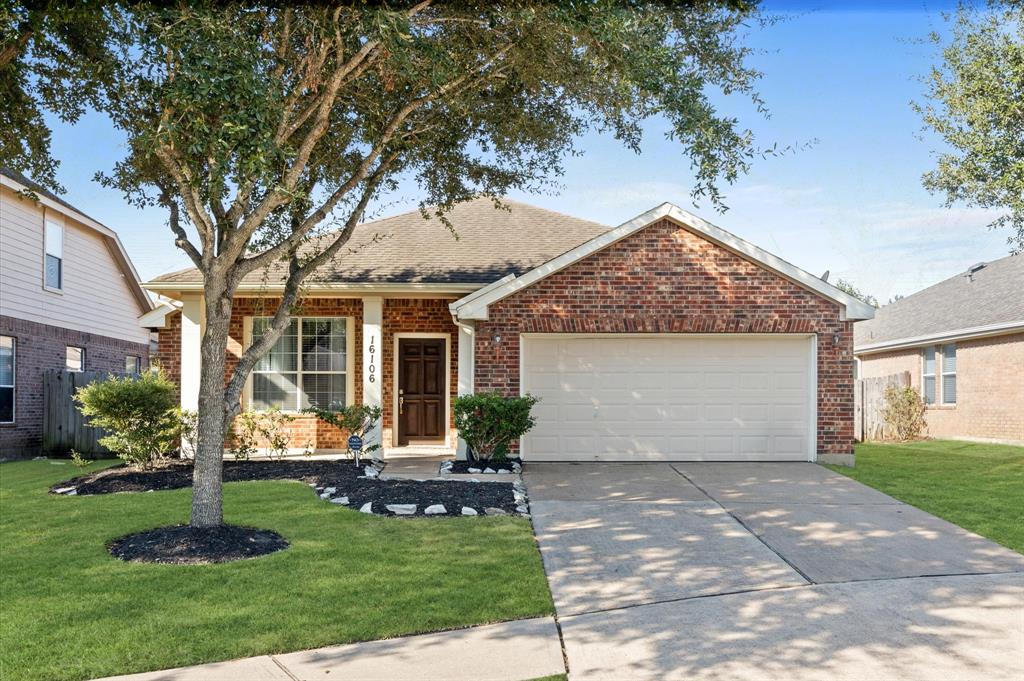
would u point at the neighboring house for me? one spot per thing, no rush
(69, 299)
(962, 341)
(663, 338)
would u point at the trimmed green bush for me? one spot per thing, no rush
(139, 414)
(490, 422)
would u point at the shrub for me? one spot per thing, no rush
(139, 414)
(490, 422)
(903, 413)
(252, 428)
(189, 419)
(357, 419)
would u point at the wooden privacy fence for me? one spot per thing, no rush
(64, 427)
(869, 402)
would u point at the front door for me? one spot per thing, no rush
(422, 382)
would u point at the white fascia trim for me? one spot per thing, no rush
(170, 288)
(942, 337)
(475, 306)
(114, 241)
(157, 317)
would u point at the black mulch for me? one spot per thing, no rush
(464, 466)
(184, 545)
(342, 475)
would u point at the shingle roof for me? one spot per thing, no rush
(40, 189)
(491, 244)
(992, 295)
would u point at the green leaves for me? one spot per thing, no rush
(490, 422)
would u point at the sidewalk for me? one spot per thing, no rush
(509, 651)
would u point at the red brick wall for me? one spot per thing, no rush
(168, 350)
(665, 279)
(40, 347)
(406, 315)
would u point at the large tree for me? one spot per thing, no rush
(975, 103)
(255, 127)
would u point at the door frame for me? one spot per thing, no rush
(447, 337)
(812, 431)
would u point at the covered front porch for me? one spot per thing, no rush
(401, 352)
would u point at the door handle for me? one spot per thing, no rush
(401, 403)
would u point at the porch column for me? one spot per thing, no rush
(191, 337)
(467, 352)
(373, 318)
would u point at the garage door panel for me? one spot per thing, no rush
(634, 397)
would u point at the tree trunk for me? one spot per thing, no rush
(207, 501)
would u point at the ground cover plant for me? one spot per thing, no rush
(977, 486)
(71, 611)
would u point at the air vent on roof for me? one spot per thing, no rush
(974, 269)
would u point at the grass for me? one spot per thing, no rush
(979, 487)
(71, 611)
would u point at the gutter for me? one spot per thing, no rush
(942, 337)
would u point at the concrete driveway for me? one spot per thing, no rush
(765, 571)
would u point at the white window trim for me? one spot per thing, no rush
(84, 354)
(934, 375)
(14, 385)
(47, 220)
(349, 359)
(138, 364)
(941, 380)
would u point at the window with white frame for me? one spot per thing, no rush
(8, 348)
(307, 366)
(53, 267)
(132, 365)
(949, 373)
(74, 358)
(928, 376)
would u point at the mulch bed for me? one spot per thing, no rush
(184, 545)
(341, 475)
(506, 465)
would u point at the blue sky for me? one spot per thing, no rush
(852, 203)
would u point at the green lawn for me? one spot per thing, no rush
(979, 487)
(70, 611)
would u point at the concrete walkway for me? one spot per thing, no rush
(510, 651)
(766, 571)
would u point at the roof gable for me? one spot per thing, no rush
(474, 306)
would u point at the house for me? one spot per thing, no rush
(663, 338)
(69, 299)
(962, 342)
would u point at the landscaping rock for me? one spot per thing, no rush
(435, 509)
(495, 511)
(340, 500)
(371, 472)
(522, 509)
(466, 510)
(367, 507)
(64, 490)
(402, 509)
(502, 471)
(474, 470)
(489, 470)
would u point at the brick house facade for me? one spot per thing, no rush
(666, 274)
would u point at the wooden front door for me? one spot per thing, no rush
(422, 382)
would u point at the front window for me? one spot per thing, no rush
(7, 364)
(928, 376)
(132, 365)
(74, 358)
(53, 276)
(949, 374)
(307, 366)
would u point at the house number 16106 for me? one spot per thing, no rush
(372, 365)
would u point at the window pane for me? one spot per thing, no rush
(323, 390)
(75, 358)
(323, 345)
(929, 390)
(6, 405)
(948, 359)
(274, 390)
(6, 360)
(949, 389)
(53, 271)
(282, 357)
(929, 360)
(132, 365)
(54, 239)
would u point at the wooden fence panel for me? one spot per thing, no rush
(64, 427)
(869, 402)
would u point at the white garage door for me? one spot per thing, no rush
(674, 398)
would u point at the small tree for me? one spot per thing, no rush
(139, 414)
(489, 422)
(356, 419)
(252, 428)
(903, 413)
